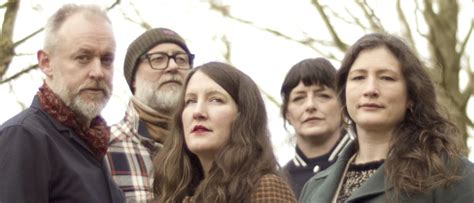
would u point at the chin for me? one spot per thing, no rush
(316, 130)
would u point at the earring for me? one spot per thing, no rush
(410, 108)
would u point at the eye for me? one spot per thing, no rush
(83, 59)
(158, 58)
(357, 77)
(324, 95)
(298, 98)
(388, 78)
(216, 99)
(107, 60)
(189, 101)
(181, 59)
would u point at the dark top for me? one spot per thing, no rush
(300, 169)
(42, 160)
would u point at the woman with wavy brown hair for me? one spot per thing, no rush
(220, 150)
(405, 150)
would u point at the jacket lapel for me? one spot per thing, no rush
(373, 186)
(64, 130)
(332, 176)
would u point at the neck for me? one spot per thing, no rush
(373, 145)
(317, 146)
(206, 165)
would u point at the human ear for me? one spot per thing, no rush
(44, 62)
(287, 118)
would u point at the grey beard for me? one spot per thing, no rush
(160, 100)
(87, 109)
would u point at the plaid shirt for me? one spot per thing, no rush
(129, 158)
(270, 189)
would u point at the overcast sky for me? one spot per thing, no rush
(264, 57)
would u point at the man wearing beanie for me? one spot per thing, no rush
(155, 67)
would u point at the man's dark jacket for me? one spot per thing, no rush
(42, 160)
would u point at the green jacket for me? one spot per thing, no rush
(322, 187)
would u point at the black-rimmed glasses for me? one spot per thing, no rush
(160, 60)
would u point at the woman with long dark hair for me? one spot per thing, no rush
(220, 150)
(405, 150)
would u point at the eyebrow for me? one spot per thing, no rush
(163, 52)
(84, 51)
(378, 71)
(319, 89)
(207, 93)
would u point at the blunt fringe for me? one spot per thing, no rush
(312, 71)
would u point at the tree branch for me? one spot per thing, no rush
(466, 39)
(142, 22)
(374, 21)
(417, 11)
(228, 50)
(336, 14)
(18, 101)
(356, 19)
(270, 98)
(117, 2)
(407, 31)
(6, 38)
(339, 44)
(28, 37)
(32, 67)
(224, 11)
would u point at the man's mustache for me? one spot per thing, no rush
(99, 85)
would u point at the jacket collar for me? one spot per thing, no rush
(333, 175)
(58, 125)
(64, 130)
(374, 185)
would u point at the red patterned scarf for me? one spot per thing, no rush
(96, 135)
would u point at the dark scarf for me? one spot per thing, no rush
(96, 135)
(156, 122)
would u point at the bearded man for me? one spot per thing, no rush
(54, 150)
(155, 67)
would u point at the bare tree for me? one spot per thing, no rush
(447, 52)
(7, 45)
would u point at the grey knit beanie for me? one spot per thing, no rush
(145, 42)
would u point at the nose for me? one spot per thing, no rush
(310, 104)
(96, 69)
(199, 112)
(172, 66)
(371, 89)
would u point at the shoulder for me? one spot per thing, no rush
(124, 131)
(31, 121)
(320, 187)
(24, 137)
(25, 118)
(273, 188)
(461, 190)
(319, 177)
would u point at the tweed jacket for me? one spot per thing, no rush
(270, 189)
(322, 187)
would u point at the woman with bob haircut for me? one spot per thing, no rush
(405, 150)
(311, 107)
(220, 150)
